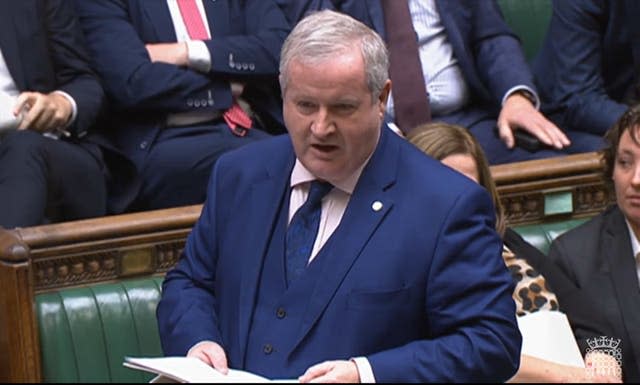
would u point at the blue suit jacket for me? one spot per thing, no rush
(50, 55)
(419, 287)
(488, 52)
(585, 67)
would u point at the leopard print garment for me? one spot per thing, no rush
(531, 293)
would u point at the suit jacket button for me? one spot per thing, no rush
(267, 349)
(196, 103)
(281, 313)
(190, 102)
(143, 145)
(252, 66)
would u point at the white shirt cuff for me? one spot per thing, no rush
(198, 56)
(364, 370)
(520, 88)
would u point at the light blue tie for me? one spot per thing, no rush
(303, 230)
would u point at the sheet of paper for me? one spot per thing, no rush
(187, 369)
(548, 335)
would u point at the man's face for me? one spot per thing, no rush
(329, 112)
(626, 179)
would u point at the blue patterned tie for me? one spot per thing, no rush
(303, 230)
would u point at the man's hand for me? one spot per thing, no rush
(172, 53)
(519, 114)
(332, 371)
(211, 354)
(42, 112)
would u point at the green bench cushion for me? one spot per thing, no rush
(541, 235)
(86, 332)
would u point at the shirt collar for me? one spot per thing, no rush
(300, 174)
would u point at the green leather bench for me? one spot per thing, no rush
(86, 332)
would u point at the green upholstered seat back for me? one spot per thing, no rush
(86, 332)
(529, 19)
(541, 235)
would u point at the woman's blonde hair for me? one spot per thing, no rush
(440, 140)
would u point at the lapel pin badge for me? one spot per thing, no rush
(376, 206)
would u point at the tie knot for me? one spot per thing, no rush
(317, 191)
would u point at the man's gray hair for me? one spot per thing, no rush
(324, 34)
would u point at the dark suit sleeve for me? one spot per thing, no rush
(574, 301)
(497, 53)
(71, 65)
(569, 68)
(118, 30)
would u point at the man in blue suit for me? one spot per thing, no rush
(49, 100)
(477, 76)
(405, 280)
(172, 85)
(589, 65)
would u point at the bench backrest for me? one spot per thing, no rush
(529, 19)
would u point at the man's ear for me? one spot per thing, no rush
(384, 94)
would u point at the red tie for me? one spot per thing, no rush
(237, 119)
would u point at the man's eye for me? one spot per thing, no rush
(345, 108)
(305, 106)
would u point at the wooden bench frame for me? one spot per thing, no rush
(43, 258)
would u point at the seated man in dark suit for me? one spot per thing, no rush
(49, 100)
(601, 260)
(589, 65)
(475, 74)
(189, 80)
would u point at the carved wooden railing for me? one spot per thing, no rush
(38, 259)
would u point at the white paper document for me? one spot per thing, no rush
(189, 369)
(548, 335)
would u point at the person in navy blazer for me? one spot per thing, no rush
(410, 285)
(150, 79)
(502, 93)
(588, 67)
(47, 83)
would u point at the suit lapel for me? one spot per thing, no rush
(264, 203)
(9, 44)
(159, 15)
(357, 226)
(623, 275)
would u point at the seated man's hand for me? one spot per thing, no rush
(171, 53)
(332, 371)
(42, 112)
(211, 354)
(519, 114)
